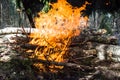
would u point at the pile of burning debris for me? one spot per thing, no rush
(81, 58)
(61, 48)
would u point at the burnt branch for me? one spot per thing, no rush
(66, 64)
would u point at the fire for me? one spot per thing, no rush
(55, 30)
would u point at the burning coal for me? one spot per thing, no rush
(55, 30)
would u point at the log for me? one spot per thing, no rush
(104, 39)
(16, 30)
(108, 52)
(98, 36)
(103, 51)
(93, 36)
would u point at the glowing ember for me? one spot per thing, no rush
(55, 30)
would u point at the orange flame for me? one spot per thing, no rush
(55, 30)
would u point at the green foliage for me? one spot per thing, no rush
(29, 11)
(46, 7)
(106, 23)
(18, 4)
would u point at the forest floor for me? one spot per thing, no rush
(15, 65)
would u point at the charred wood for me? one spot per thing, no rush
(67, 64)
